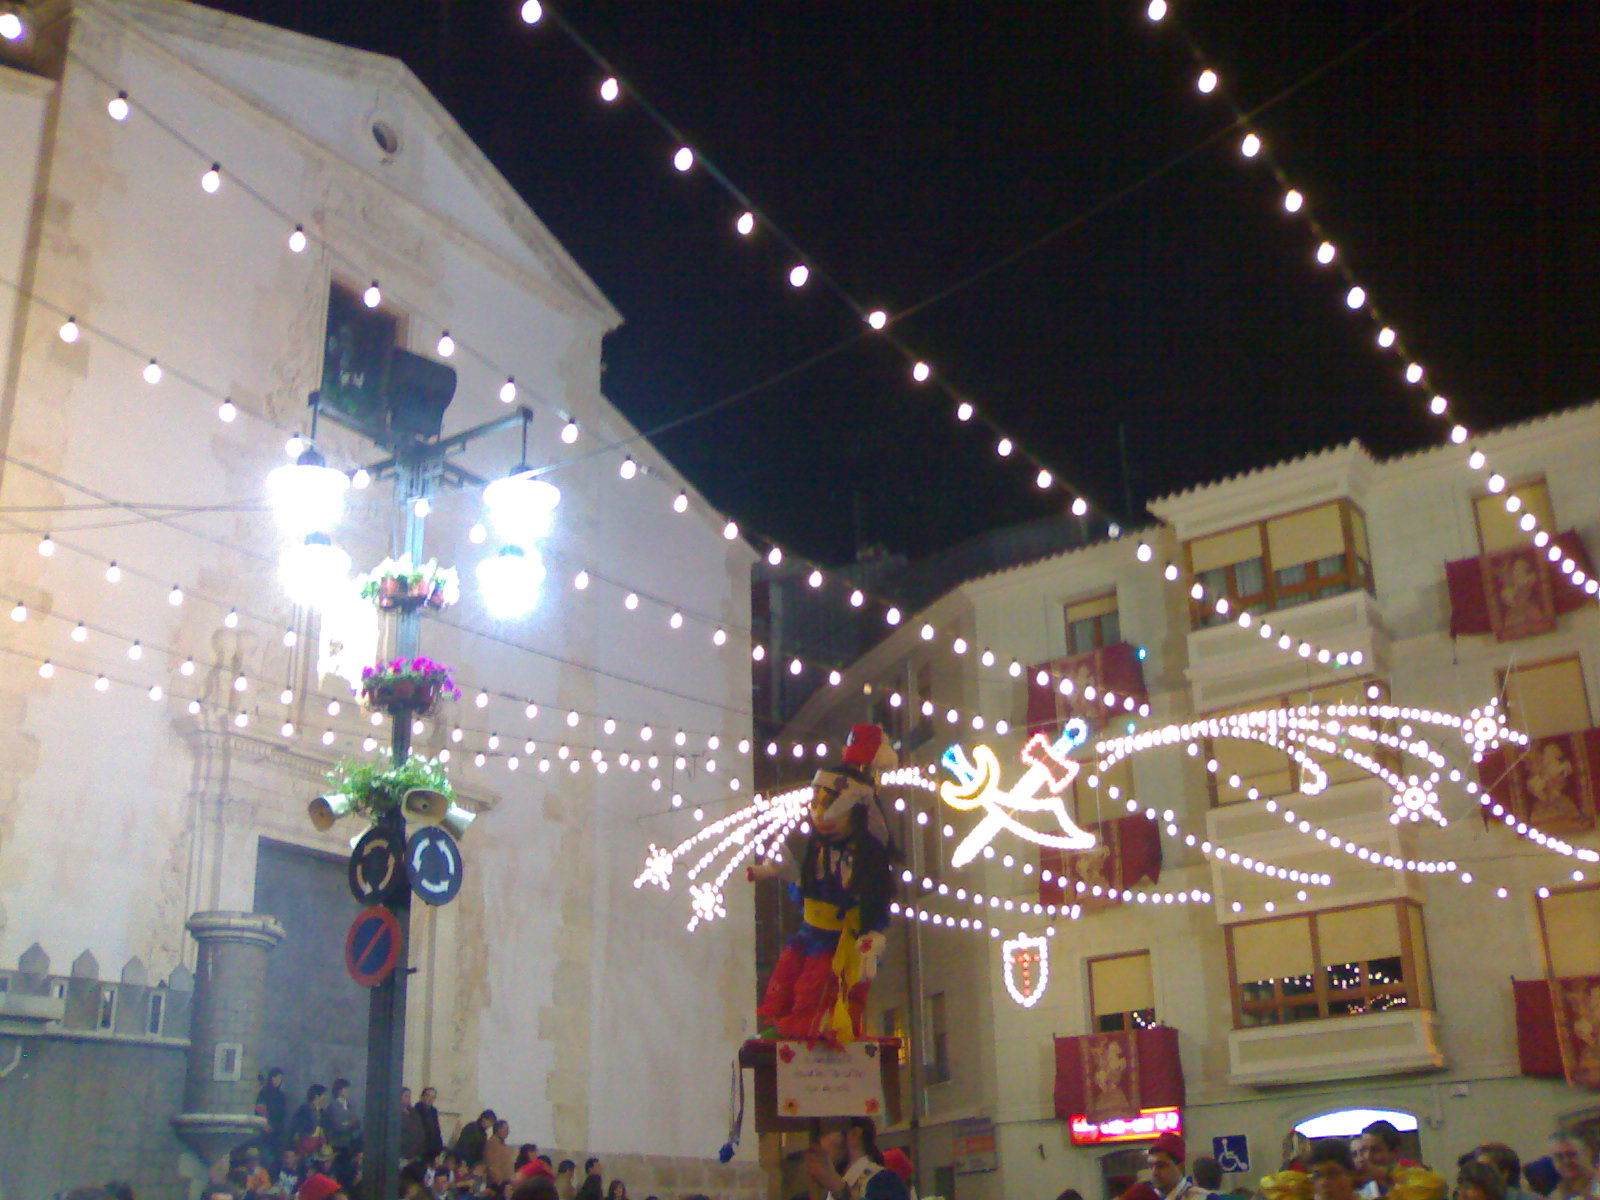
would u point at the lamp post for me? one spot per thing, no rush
(419, 460)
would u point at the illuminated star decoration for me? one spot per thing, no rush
(978, 786)
(1485, 729)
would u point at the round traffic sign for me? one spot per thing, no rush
(372, 947)
(433, 860)
(377, 867)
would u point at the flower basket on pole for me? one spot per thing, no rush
(396, 585)
(407, 687)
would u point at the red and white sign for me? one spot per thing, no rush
(1150, 1124)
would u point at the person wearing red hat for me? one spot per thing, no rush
(818, 989)
(1165, 1158)
(898, 1161)
(320, 1187)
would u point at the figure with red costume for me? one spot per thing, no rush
(819, 987)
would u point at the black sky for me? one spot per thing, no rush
(906, 145)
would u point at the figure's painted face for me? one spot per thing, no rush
(829, 818)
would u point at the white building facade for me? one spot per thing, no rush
(168, 749)
(1390, 988)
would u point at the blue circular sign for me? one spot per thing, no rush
(372, 947)
(433, 860)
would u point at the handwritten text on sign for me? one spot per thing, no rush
(820, 1081)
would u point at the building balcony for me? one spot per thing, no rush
(1230, 666)
(1398, 1042)
(1515, 593)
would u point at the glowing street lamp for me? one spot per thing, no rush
(314, 571)
(510, 581)
(522, 506)
(307, 494)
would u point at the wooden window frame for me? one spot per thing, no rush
(1099, 622)
(1484, 494)
(1414, 987)
(1127, 1021)
(1544, 929)
(1355, 575)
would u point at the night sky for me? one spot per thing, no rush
(1452, 149)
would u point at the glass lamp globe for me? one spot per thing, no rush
(307, 494)
(522, 506)
(314, 571)
(510, 582)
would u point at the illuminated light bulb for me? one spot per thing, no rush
(1157, 10)
(118, 108)
(1080, 507)
(422, 506)
(1438, 406)
(227, 411)
(1143, 553)
(920, 372)
(212, 179)
(294, 445)
(372, 297)
(1043, 479)
(680, 503)
(1458, 434)
(796, 666)
(68, 332)
(569, 432)
(758, 652)
(1250, 146)
(19, 614)
(1325, 253)
(1355, 297)
(1527, 522)
(683, 159)
(447, 344)
(610, 89)
(1004, 448)
(47, 669)
(675, 621)
(834, 678)
(1513, 503)
(814, 579)
(101, 683)
(175, 596)
(232, 619)
(892, 616)
(1496, 483)
(1414, 373)
(730, 530)
(964, 411)
(297, 240)
(532, 11)
(1386, 337)
(1207, 82)
(959, 646)
(631, 601)
(774, 556)
(136, 651)
(580, 581)
(628, 468)
(333, 708)
(194, 708)
(152, 372)
(719, 638)
(798, 275)
(1293, 201)
(481, 700)
(746, 224)
(240, 683)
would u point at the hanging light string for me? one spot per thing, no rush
(1358, 298)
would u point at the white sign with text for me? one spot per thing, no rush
(826, 1081)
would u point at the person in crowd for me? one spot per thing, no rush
(525, 1154)
(1574, 1172)
(1376, 1155)
(238, 1183)
(473, 1139)
(1504, 1160)
(273, 1104)
(307, 1132)
(540, 1187)
(1070, 1194)
(617, 1191)
(410, 1128)
(347, 1167)
(321, 1187)
(414, 1181)
(428, 1117)
(847, 1162)
(1332, 1170)
(1479, 1181)
(1207, 1175)
(257, 1178)
(499, 1159)
(290, 1171)
(1165, 1158)
(593, 1186)
(1540, 1175)
(898, 1161)
(1141, 1190)
(342, 1125)
(566, 1182)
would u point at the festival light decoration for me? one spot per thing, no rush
(1025, 967)
(977, 786)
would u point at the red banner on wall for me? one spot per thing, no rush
(1558, 1028)
(1550, 783)
(1114, 668)
(1514, 593)
(1118, 1075)
(1128, 853)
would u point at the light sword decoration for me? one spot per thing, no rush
(1049, 771)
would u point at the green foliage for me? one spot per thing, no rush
(377, 785)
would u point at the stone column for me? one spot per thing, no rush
(219, 1092)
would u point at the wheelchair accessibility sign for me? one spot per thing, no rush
(1231, 1152)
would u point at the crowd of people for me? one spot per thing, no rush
(1372, 1166)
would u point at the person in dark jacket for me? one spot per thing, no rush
(306, 1131)
(474, 1138)
(410, 1128)
(592, 1187)
(428, 1118)
(272, 1104)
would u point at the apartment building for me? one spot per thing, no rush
(1260, 975)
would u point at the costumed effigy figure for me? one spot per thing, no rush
(818, 990)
